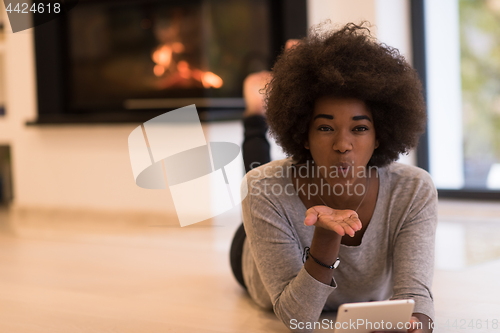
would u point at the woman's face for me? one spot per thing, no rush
(341, 136)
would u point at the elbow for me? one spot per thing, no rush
(310, 326)
(296, 320)
(297, 326)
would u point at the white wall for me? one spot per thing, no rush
(340, 12)
(87, 166)
(394, 25)
(394, 29)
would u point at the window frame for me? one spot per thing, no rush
(418, 34)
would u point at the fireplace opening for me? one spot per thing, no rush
(120, 61)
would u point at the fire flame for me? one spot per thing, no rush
(210, 79)
(163, 56)
(179, 74)
(159, 70)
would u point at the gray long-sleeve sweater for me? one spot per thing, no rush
(395, 259)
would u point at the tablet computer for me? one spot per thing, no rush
(366, 317)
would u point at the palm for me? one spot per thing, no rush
(343, 222)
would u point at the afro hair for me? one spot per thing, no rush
(346, 63)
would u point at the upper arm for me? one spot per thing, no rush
(413, 253)
(277, 254)
(276, 250)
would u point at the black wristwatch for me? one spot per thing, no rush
(307, 254)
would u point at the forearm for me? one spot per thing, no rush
(292, 305)
(324, 247)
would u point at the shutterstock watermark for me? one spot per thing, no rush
(343, 181)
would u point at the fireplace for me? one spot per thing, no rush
(129, 61)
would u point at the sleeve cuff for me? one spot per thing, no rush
(312, 288)
(303, 300)
(422, 305)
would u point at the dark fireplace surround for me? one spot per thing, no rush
(130, 61)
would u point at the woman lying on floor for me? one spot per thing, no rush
(340, 221)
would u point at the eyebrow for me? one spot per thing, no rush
(329, 116)
(361, 117)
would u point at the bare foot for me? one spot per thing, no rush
(254, 94)
(253, 88)
(291, 43)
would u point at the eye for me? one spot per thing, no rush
(361, 129)
(325, 128)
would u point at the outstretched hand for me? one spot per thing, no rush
(341, 221)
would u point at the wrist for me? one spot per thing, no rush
(325, 248)
(332, 266)
(325, 236)
(325, 245)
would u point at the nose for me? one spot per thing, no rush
(342, 143)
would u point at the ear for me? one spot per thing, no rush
(306, 145)
(376, 144)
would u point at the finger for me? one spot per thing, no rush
(311, 219)
(311, 216)
(347, 228)
(331, 223)
(344, 214)
(338, 229)
(355, 223)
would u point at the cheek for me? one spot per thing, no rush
(306, 144)
(370, 145)
(318, 143)
(373, 140)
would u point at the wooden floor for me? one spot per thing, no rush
(99, 274)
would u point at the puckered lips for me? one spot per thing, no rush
(344, 167)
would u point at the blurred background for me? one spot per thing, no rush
(85, 249)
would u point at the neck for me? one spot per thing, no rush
(342, 193)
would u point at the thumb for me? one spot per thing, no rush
(311, 217)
